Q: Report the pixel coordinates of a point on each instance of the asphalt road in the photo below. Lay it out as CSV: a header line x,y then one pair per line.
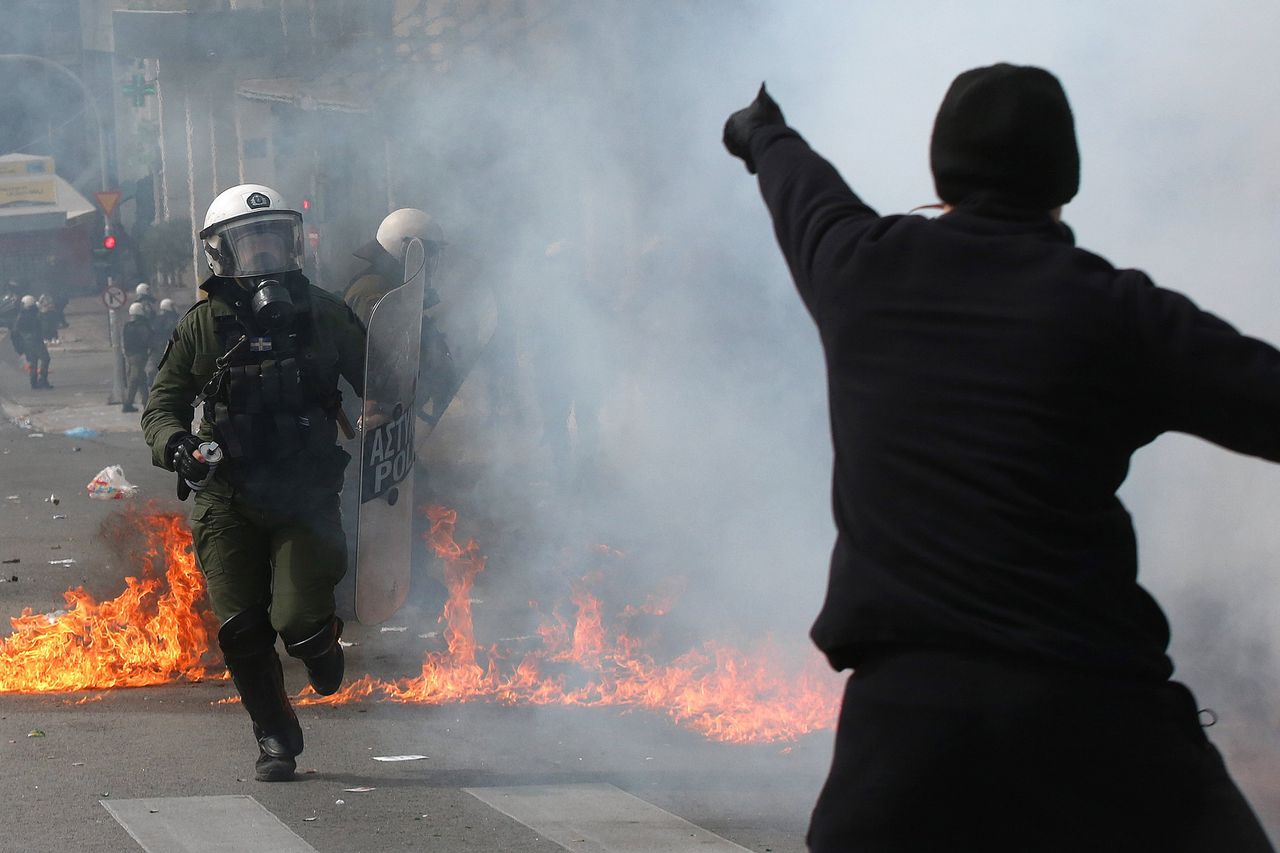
x,y
176,741
136,745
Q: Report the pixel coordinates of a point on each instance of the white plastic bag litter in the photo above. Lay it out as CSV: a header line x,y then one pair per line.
x,y
110,484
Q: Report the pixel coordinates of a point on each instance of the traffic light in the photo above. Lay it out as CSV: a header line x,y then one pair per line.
x,y
313,208
104,256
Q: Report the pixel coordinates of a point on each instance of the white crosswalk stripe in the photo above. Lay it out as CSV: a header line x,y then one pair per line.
x,y
601,819
229,824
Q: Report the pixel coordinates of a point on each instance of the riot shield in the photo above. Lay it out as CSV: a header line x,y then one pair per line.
x,y
460,326
384,528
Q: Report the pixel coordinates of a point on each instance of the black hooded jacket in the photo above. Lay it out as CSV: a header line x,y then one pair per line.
x,y
988,383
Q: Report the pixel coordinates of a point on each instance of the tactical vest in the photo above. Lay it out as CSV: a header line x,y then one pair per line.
x,y
277,395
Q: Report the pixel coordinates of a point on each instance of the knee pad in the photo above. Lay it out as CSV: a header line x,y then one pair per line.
x,y
247,634
318,642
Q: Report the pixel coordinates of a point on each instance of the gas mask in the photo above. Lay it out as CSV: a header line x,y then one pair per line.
x,y
272,304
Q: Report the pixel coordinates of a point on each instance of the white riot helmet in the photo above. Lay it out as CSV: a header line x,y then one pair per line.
x,y
166,304
249,231
143,289
28,301
400,226
137,309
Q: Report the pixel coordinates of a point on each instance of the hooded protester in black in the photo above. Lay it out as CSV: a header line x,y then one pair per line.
x,y
988,382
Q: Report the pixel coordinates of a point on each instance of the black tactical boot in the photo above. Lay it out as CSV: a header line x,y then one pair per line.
x,y
248,646
322,654
276,761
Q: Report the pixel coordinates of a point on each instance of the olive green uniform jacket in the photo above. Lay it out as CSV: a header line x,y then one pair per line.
x,y
337,347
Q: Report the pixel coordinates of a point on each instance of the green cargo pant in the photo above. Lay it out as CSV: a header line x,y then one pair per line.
x,y
287,562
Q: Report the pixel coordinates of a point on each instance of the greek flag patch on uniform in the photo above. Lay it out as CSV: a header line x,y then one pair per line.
x,y
259,344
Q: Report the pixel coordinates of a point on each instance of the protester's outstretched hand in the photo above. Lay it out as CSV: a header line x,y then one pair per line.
x,y
761,112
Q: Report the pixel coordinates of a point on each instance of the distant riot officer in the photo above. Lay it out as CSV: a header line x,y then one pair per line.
x,y
138,335
142,296
162,326
263,353
28,339
384,271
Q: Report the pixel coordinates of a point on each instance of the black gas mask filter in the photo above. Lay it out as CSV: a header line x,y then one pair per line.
x,y
272,305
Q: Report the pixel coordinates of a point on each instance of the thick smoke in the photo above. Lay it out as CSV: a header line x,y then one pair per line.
x,y
638,275
712,418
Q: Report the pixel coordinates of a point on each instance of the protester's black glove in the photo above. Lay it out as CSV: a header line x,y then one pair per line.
x,y
180,452
762,112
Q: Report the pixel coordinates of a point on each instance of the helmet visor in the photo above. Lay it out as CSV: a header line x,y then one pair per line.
x,y
262,245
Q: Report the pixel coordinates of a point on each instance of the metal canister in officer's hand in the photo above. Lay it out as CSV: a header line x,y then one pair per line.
x,y
211,454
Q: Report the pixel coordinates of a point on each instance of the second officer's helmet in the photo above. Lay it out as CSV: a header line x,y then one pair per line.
x,y
249,231
137,309
166,304
143,289
401,226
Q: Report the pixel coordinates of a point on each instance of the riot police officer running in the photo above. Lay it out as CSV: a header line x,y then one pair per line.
x,y
262,356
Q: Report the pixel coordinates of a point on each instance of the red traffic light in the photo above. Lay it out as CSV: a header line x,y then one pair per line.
x,y
306,204
109,241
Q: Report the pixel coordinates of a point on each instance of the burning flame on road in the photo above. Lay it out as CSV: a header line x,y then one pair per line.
x,y
152,633
151,636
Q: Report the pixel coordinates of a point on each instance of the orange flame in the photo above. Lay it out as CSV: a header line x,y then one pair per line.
x,y
152,633
721,692
150,636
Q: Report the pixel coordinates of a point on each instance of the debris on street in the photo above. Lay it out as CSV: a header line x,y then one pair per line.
x,y
110,484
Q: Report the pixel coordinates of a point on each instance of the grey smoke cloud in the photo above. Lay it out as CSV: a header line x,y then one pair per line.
x,y
713,424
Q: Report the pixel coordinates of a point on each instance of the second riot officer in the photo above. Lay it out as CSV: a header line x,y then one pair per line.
x,y
383,272
262,356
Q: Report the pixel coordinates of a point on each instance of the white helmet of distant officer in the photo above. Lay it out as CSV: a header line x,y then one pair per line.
x,y
253,237
166,304
401,226
137,309
143,289
28,301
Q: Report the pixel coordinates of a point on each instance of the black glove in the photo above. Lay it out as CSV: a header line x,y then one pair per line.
x,y
179,451
762,112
